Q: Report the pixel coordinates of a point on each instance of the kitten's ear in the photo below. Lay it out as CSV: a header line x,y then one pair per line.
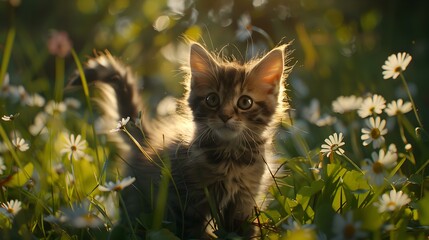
x,y
202,64
267,73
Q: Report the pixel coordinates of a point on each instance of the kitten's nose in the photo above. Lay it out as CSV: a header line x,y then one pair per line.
x,y
225,117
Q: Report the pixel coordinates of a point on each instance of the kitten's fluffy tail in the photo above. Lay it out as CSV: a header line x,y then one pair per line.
x,y
105,72
116,94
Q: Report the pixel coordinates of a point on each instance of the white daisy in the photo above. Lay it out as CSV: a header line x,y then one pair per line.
x,y
345,104
376,169
395,64
35,100
74,147
398,107
372,105
53,107
121,125
7,118
39,125
390,202
325,120
333,144
2,166
86,220
345,228
11,117
374,133
118,186
245,27
80,217
11,208
298,231
72,103
20,144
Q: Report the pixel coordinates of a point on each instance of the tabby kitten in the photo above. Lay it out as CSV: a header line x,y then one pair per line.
x,y
217,147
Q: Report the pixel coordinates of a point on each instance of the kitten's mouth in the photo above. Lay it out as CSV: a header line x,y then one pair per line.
x,y
227,131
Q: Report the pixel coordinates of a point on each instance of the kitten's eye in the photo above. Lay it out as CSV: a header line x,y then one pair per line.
x,y
245,102
212,100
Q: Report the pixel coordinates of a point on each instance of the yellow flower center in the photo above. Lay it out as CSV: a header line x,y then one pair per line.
x,y
88,218
391,205
377,167
375,133
349,231
9,210
398,69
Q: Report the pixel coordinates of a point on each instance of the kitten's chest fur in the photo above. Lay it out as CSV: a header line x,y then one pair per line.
x,y
226,171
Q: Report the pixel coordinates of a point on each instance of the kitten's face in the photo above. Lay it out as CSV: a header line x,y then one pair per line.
x,y
231,100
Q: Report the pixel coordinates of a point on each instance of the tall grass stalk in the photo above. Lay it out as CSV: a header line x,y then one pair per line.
x,y
161,199
88,102
59,78
353,163
7,53
124,206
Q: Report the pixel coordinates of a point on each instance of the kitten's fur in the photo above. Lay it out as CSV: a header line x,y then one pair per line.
x,y
218,145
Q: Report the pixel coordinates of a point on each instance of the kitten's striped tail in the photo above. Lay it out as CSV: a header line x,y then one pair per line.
x,y
116,96
122,99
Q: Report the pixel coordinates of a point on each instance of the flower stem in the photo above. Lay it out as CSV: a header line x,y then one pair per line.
x,y
401,129
74,177
354,139
352,163
142,150
411,99
264,34
59,78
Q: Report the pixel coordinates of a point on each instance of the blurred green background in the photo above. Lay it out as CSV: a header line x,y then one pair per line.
x,y
338,46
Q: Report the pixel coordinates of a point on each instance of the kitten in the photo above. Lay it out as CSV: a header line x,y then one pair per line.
x,y
217,147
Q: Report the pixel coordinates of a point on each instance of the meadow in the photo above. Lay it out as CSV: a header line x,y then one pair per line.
x,y
354,151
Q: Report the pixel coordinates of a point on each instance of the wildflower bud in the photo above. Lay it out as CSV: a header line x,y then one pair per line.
x,y
408,147
418,131
15,3
59,44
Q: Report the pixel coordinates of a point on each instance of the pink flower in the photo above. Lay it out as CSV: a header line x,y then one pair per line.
x,y
59,44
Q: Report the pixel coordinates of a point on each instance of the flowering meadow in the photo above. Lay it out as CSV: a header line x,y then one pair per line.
x,y
353,150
